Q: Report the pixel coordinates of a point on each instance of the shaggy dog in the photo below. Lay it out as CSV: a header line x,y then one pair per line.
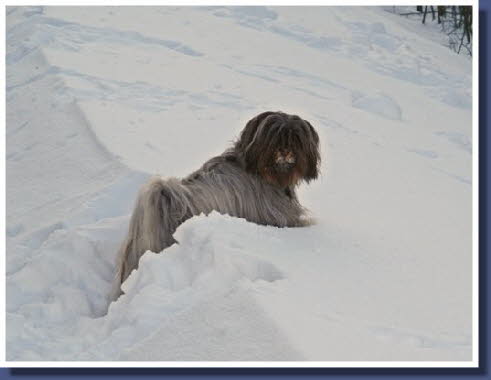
x,y
255,180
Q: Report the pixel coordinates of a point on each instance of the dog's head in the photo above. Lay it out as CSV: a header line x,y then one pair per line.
x,y
283,149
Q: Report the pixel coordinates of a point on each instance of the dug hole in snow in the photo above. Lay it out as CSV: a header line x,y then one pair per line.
x,y
97,101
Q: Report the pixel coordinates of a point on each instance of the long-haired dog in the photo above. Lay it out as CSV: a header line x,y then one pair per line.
x,y
255,179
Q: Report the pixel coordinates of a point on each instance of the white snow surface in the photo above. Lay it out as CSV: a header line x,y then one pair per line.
x,y
99,98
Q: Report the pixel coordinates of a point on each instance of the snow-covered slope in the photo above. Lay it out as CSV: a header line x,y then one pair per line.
x,y
99,98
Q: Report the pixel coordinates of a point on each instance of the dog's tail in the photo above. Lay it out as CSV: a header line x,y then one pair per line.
x,y
162,204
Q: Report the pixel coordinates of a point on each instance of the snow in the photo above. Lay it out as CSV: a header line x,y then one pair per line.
x,y
100,98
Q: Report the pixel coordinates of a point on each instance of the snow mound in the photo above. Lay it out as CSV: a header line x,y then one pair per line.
x,y
213,265
229,290
211,253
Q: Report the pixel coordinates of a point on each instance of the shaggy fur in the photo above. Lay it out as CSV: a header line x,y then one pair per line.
x,y
255,180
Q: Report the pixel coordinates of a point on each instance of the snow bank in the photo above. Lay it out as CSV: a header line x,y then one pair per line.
x,y
200,290
230,290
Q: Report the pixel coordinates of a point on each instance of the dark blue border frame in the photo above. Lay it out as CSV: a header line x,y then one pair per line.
x,y
348,373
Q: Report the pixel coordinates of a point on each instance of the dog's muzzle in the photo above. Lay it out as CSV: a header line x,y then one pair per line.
x,y
284,161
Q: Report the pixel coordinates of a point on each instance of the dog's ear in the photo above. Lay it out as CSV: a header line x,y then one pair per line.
x,y
314,133
245,143
313,155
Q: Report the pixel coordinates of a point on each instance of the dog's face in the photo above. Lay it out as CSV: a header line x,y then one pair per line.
x,y
283,149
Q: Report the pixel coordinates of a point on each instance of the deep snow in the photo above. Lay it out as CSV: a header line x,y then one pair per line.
x,y
99,98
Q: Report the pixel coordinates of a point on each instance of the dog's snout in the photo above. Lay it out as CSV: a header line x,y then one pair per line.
x,y
284,164
285,157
